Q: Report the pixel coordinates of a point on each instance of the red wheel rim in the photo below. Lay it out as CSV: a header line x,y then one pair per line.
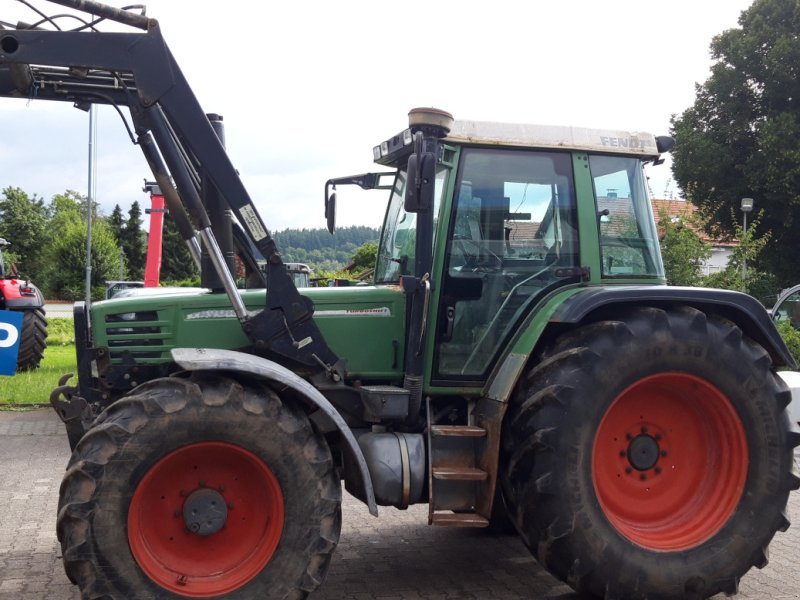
x,y
669,462
205,565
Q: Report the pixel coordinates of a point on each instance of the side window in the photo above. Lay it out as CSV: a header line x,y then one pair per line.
x,y
513,227
396,251
397,248
628,238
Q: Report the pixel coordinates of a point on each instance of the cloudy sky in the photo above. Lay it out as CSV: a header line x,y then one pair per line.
x,y
308,88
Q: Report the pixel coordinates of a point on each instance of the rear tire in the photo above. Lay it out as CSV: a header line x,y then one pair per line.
x,y
255,467
650,456
32,339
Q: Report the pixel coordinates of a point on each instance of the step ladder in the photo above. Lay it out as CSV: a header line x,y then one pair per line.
x,y
461,473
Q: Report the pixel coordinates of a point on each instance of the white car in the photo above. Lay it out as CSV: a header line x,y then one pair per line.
x,y
792,379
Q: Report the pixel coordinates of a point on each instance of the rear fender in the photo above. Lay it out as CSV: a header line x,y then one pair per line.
x,y
207,359
743,310
588,304
19,294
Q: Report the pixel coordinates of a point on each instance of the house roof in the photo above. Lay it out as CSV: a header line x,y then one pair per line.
x,y
677,209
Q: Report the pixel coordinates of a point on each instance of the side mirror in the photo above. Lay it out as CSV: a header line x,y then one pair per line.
x,y
330,212
421,182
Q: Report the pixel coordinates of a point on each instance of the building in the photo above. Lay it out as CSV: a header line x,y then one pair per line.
x,y
677,210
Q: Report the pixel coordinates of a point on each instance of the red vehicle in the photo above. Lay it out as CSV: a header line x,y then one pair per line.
x,y
18,293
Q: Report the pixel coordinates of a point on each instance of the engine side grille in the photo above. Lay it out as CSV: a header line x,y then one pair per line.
x,y
138,335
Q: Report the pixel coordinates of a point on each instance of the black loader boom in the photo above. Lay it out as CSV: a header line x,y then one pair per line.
x,y
136,70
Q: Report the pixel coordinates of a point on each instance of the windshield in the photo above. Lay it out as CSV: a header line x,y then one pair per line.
x,y
628,238
396,252
788,309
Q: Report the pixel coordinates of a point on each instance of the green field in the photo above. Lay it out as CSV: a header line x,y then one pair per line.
x,y
33,387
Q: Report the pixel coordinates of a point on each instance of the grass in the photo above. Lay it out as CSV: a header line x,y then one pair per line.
x,y
28,389
60,331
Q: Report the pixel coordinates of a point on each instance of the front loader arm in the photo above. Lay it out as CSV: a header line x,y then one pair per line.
x,y
137,70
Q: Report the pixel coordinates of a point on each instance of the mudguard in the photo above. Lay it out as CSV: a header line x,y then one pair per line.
x,y
207,359
747,312
15,299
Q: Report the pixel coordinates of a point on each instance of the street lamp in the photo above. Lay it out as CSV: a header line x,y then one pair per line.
x,y
747,206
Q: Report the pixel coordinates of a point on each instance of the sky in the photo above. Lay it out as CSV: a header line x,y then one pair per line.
x,y
307,89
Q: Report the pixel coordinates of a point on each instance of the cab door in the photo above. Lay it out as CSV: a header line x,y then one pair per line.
x,y
511,238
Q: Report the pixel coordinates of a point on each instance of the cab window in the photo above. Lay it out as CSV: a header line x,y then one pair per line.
x,y
512,233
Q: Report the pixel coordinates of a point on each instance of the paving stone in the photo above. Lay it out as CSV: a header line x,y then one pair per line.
x,y
394,557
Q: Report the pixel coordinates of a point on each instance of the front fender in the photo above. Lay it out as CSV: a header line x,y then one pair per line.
x,y
207,359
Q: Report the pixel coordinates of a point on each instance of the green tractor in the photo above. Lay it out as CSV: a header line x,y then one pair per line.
x,y
518,357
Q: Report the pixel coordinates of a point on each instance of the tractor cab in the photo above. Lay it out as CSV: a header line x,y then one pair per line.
x,y
501,216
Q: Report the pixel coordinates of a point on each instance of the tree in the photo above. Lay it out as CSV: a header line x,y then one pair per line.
x,y
176,262
23,223
66,209
682,249
133,242
116,222
739,139
66,261
746,254
365,256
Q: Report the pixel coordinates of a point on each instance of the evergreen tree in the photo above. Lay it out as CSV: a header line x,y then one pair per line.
x,y
133,242
321,250
176,261
116,223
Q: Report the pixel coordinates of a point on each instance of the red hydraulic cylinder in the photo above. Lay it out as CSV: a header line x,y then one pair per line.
x,y
152,270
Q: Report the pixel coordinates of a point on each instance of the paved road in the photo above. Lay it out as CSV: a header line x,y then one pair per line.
x,y
63,310
396,557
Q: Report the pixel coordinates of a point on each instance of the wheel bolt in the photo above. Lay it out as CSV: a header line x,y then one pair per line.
x,y
644,429
221,487
643,476
663,453
658,437
628,470
622,453
628,436
657,470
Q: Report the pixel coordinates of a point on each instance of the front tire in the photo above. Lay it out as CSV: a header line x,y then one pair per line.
x,y
650,456
199,487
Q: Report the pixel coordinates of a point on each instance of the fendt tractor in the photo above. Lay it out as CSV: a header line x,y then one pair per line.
x,y
517,357
18,293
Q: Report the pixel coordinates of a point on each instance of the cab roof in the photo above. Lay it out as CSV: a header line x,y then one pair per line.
x,y
551,136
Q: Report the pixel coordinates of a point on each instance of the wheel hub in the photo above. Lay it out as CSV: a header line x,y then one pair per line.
x,y
205,512
643,452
